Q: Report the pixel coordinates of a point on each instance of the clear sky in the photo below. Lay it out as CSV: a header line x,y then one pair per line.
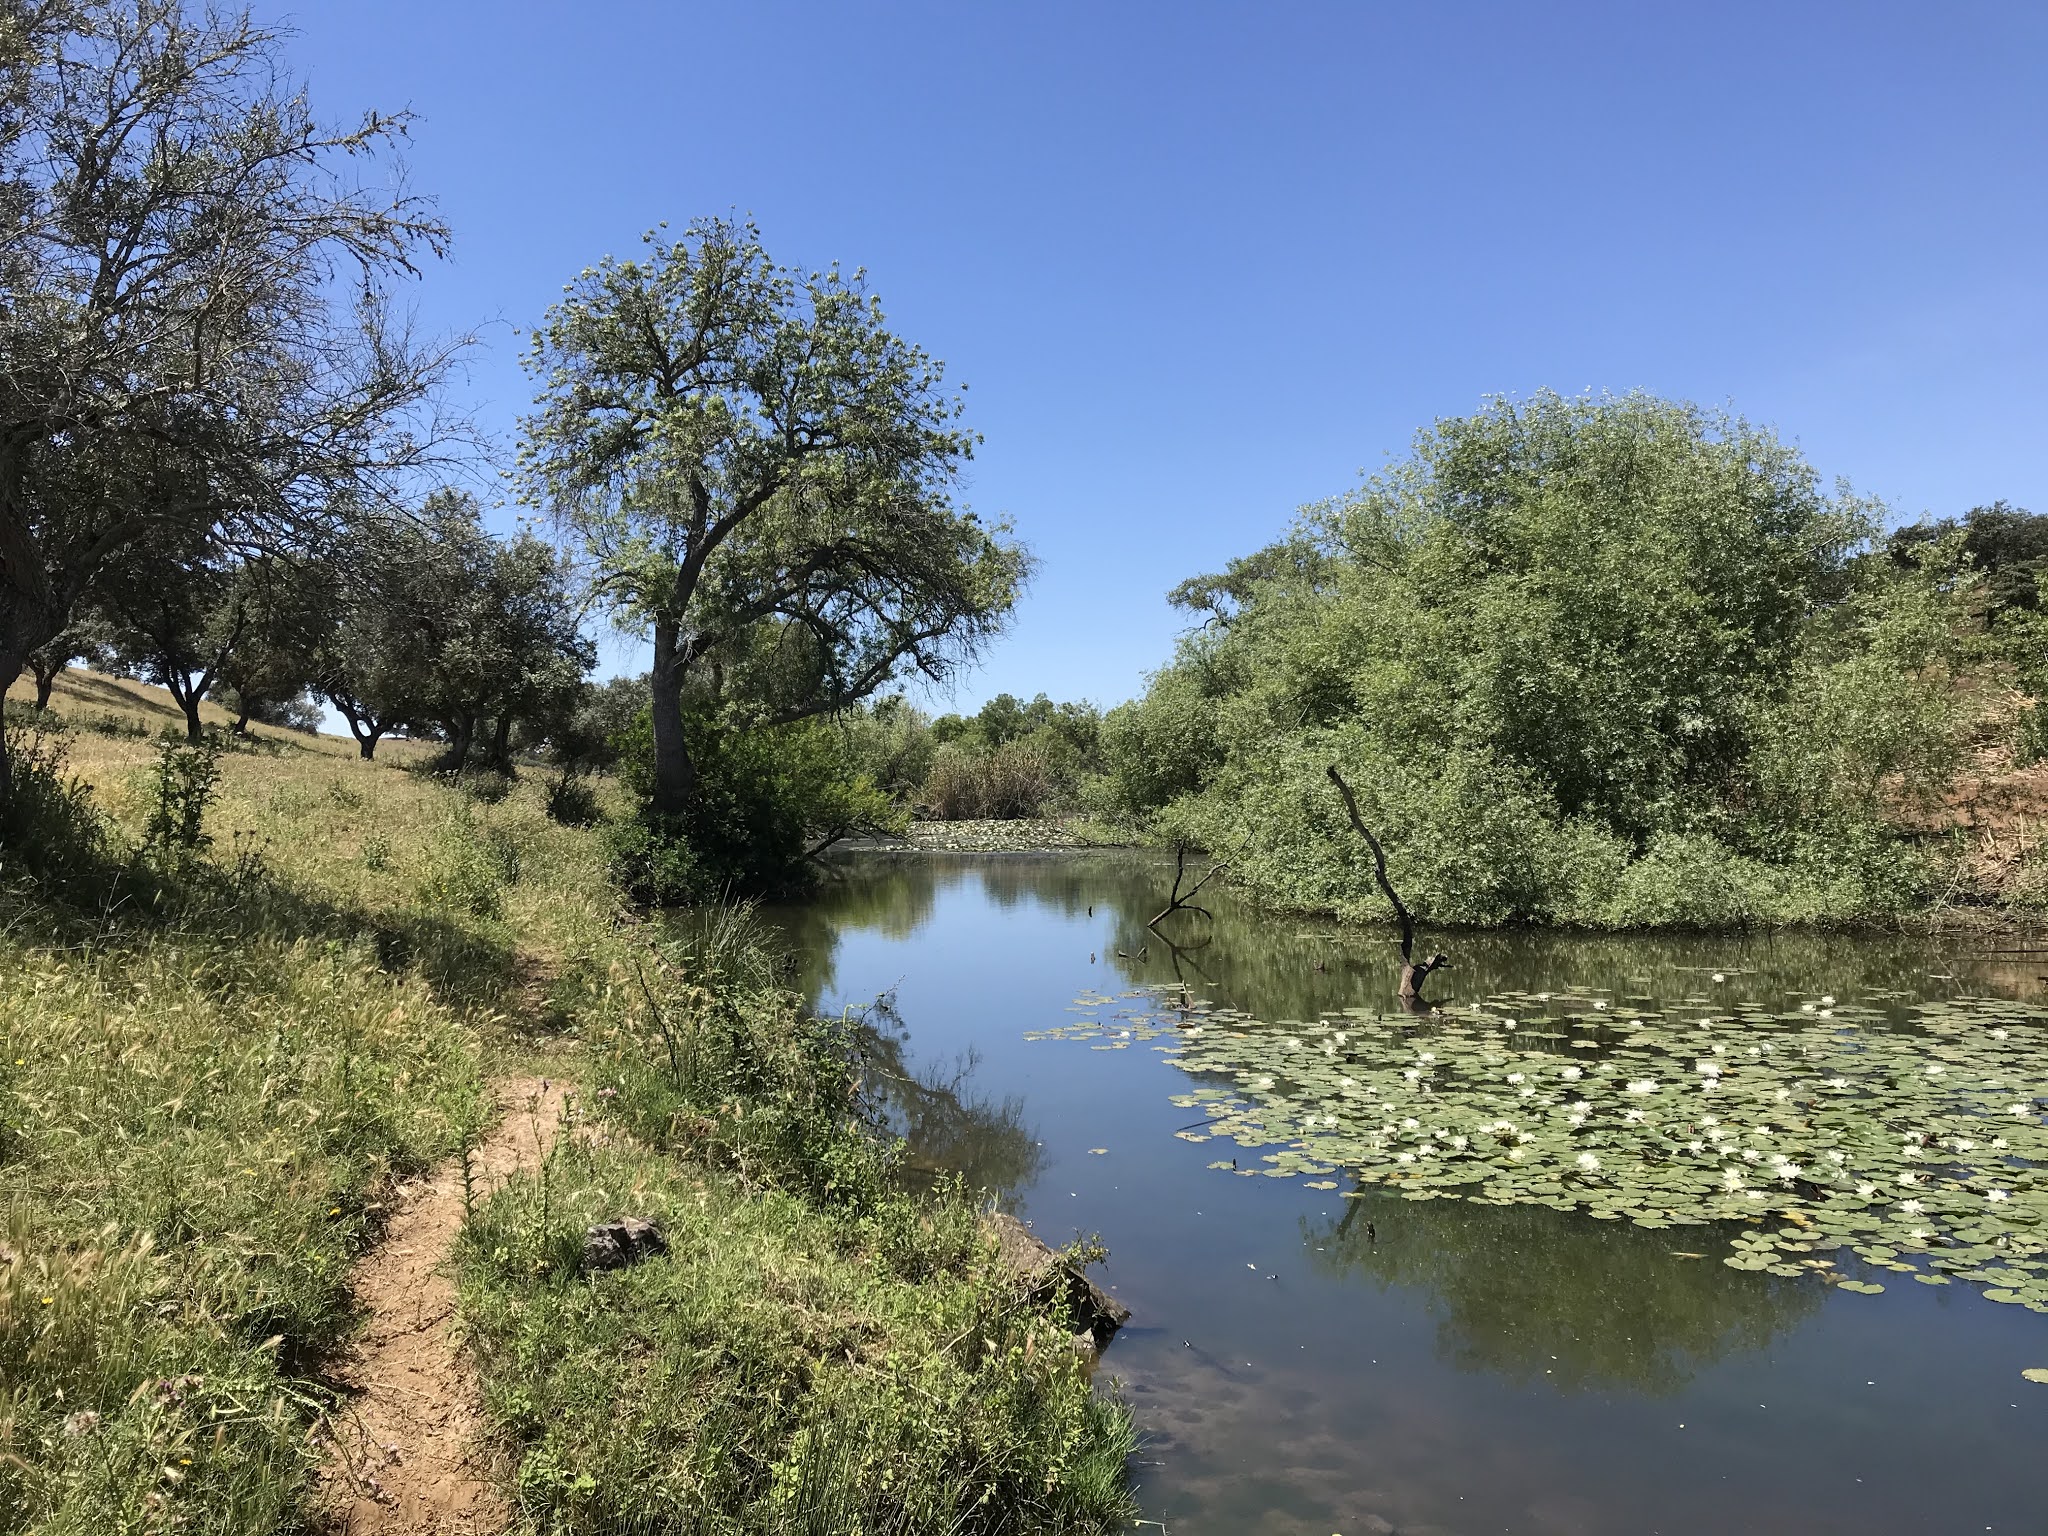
x,y
1202,263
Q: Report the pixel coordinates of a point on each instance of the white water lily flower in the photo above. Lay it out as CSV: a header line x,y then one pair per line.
x,y
1329,1119
1909,1178
1789,1171
1407,1157
1911,1207
2018,1111
1514,1077
1708,1068
1524,1138
1262,1082
1838,1082
1719,977
1998,1143
1919,1234
1411,1124
1936,1070
1633,1115
1838,1157
1516,1153
1572,1074
1753,1194
1347,1082
1731,1178
1827,1002
1963,1144
1827,1013
1996,1195
1806,1007
1589,1162
1709,1120
1576,1121
2001,1034
1751,1155
1784,1094
1528,1093
1342,1037
1866,1190
1600,1004
1457,1141
1426,1056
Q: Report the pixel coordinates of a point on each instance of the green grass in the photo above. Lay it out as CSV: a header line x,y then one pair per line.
x,y
214,1066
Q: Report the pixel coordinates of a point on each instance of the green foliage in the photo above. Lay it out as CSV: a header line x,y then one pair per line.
x,y
209,1118
184,782
818,1350
1605,661
1011,760
469,864
767,800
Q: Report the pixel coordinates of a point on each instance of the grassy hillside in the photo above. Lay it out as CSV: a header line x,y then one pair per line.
x,y
215,1067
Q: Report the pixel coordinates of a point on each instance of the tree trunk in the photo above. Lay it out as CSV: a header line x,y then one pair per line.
x,y
501,745
461,733
242,719
195,728
675,776
366,744
45,682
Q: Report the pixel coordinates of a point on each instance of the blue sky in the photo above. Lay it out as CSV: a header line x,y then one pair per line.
x,y
1199,264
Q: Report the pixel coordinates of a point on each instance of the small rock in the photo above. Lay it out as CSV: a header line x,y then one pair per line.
x,y
625,1240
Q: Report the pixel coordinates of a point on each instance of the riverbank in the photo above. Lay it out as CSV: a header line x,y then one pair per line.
x,y
226,1072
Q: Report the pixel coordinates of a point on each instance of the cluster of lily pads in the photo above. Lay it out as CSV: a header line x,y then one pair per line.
x,y
1912,1135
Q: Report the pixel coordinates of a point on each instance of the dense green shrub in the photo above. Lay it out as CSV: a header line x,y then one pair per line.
x,y
768,800
1607,661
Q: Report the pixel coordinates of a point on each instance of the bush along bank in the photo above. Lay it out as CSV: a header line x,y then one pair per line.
x,y
815,1349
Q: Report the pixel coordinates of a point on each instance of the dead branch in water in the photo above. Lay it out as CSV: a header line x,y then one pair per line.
x,y
1413,973
1175,902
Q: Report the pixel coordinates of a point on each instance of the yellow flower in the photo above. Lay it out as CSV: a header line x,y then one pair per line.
x,y
48,1300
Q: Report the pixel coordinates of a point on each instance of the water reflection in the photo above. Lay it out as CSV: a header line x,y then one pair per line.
x,y
1294,1372
947,1125
1569,1302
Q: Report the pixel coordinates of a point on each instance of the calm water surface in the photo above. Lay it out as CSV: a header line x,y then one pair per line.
x,y
1463,1368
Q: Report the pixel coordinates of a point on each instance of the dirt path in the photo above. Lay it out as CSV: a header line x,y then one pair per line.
x,y
406,1460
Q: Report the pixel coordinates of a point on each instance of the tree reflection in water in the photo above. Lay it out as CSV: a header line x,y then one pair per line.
x,y
946,1127
1540,1296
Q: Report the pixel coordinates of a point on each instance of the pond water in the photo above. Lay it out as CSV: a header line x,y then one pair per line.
x,y
1615,1346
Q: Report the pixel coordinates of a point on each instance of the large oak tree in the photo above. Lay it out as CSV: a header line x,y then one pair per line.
x,y
750,459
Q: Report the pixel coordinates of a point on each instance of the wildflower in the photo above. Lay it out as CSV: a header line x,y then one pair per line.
x,y
1589,1162
78,1423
